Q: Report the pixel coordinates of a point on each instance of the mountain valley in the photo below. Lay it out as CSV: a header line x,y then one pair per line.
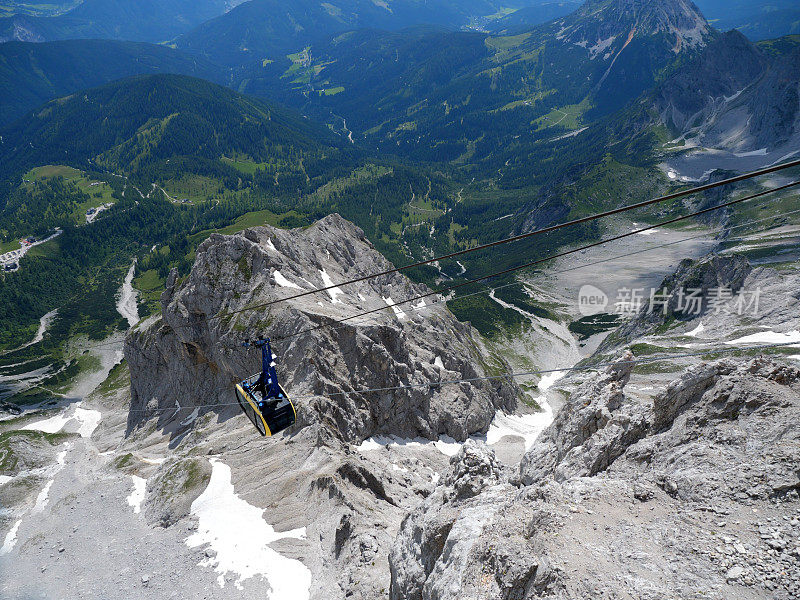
x,y
529,272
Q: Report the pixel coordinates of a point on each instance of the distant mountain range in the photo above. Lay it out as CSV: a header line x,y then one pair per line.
x,y
31,73
458,96
757,19
136,20
261,30
145,120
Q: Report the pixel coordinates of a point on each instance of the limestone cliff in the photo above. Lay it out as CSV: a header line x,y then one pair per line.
x,y
190,356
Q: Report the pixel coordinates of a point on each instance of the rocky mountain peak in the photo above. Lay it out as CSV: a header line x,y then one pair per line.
x,y
190,356
603,26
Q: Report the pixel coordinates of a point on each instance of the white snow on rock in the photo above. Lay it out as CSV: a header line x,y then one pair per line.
x,y
240,538
11,539
527,427
759,152
438,363
137,495
696,331
548,380
647,232
445,444
271,246
397,310
334,292
126,303
283,282
43,498
76,420
768,337
5,479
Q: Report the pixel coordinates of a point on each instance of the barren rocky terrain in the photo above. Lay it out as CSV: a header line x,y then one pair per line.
x,y
673,477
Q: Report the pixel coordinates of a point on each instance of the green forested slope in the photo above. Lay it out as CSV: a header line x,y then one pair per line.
x,y
33,73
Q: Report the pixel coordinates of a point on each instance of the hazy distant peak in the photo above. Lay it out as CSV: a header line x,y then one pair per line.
x,y
598,24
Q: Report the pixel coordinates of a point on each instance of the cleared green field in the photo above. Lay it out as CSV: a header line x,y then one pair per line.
x,y
99,192
568,117
244,165
150,286
9,246
247,220
193,188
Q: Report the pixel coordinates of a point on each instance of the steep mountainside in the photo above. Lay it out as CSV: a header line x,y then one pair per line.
x,y
148,119
757,19
548,81
136,20
191,354
268,29
736,105
33,73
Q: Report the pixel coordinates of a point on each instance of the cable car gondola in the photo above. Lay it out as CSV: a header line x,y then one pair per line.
x,y
263,399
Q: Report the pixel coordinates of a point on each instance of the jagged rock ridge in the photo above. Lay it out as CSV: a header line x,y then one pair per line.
x,y
625,499
190,357
605,27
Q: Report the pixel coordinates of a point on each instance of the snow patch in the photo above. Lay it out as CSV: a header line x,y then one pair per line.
x,y
548,380
696,331
81,421
760,152
5,479
647,232
240,538
768,337
334,292
137,495
11,539
397,310
271,246
445,444
283,282
41,499
438,363
527,427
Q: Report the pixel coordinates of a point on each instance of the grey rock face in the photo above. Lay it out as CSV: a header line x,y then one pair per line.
x,y
438,550
191,356
172,490
712,272
594,428
736,422
726,66
621,499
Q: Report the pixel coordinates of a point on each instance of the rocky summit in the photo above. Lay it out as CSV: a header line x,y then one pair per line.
x,y
618,499
190,357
